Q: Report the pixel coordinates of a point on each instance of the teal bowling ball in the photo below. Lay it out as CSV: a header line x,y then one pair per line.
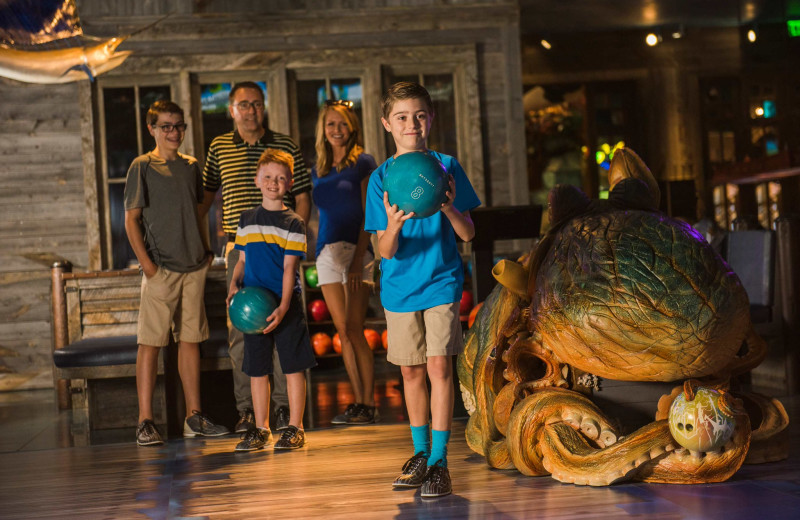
x,y
249,309
311,277
416,181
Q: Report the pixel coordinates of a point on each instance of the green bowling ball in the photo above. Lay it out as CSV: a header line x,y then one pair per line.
x,y
311,277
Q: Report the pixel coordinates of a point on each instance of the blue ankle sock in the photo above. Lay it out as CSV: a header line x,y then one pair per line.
x,y
439,440
420,436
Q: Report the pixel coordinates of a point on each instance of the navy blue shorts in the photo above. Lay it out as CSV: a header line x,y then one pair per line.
x,y
290,338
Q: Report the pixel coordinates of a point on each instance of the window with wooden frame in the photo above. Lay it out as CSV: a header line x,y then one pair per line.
x,y
123,135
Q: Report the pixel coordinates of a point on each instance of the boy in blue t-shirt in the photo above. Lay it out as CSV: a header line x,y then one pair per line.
x,y
271,239
421,282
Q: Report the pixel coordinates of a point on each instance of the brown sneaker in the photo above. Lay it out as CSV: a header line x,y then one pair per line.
x,y
147,434
247,420
437,481
292,438
413,473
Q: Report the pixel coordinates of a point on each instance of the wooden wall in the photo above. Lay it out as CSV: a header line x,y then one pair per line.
x,y
42,219
48,200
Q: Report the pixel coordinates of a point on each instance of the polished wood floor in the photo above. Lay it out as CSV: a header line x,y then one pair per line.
x,y
343,472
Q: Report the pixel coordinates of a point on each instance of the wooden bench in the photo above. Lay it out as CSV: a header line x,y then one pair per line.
x,y
94,319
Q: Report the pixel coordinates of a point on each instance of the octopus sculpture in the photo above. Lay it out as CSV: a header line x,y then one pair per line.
x,y
617,290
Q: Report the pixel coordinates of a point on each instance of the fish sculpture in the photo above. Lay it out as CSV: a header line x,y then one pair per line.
x,y
61,65
41,41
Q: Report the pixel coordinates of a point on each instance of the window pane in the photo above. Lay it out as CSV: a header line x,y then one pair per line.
x,y
391,79
311,95
215,121
214,108
120,248
350,90
443,132
120,118
148,96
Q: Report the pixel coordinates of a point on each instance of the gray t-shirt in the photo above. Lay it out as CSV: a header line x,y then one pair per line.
x,y
168,193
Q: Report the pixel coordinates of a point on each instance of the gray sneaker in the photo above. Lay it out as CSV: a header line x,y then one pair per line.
x,y
364,415
147,434
254,439
344,418
198,425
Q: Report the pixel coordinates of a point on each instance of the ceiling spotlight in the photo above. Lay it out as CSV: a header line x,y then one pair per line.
x,y
546,44
677,32
652,39
752,33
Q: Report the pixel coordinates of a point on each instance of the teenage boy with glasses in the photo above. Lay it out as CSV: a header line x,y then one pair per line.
x,y
162,192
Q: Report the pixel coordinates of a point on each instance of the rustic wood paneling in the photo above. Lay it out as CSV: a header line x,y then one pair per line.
x,y
42,187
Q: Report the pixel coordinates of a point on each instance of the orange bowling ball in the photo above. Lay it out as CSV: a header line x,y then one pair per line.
x,y
373,338
473,313
385,339
337,343
322,343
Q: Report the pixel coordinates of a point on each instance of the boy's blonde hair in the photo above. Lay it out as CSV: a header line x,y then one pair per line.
x,y
404,90
271,155
355,144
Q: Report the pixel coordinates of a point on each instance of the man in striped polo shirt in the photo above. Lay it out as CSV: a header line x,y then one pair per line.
x,y
232,163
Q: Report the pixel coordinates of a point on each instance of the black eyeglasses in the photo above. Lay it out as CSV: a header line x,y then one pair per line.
x,y
338,102
168,128
245,106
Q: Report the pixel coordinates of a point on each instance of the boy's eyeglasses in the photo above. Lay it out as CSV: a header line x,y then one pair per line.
x,y
245,106
338,102
168,128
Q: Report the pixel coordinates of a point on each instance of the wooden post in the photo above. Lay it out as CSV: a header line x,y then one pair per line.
x,y
60,333
788,231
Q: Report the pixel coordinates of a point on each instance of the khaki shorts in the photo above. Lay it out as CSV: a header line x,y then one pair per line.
x,y
172,300
416,336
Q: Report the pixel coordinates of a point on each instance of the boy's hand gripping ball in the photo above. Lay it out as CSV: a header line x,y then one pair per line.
x,y
249,309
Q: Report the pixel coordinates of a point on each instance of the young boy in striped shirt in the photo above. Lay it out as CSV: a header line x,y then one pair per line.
x,y
271,240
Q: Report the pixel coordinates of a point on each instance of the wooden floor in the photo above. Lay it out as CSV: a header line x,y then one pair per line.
x,y
342,473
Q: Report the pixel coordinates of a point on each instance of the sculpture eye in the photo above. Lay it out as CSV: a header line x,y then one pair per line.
x,y
689,427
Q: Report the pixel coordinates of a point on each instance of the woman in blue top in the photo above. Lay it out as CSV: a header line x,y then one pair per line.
x,y
344,254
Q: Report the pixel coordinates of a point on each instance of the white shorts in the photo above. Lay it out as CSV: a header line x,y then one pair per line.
x,y
333,263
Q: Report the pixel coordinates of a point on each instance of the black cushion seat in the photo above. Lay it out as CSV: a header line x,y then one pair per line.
x,y
122,350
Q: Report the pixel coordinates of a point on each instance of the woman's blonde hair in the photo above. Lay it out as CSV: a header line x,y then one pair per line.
x,y
355,145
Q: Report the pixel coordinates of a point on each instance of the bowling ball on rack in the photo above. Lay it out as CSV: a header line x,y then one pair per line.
x,y
322,343
373,338
385,339
337,343
473,314
312,279
318,310
250,307
416,181
467,302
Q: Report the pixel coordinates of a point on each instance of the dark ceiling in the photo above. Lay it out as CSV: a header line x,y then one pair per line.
x,y
559,16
